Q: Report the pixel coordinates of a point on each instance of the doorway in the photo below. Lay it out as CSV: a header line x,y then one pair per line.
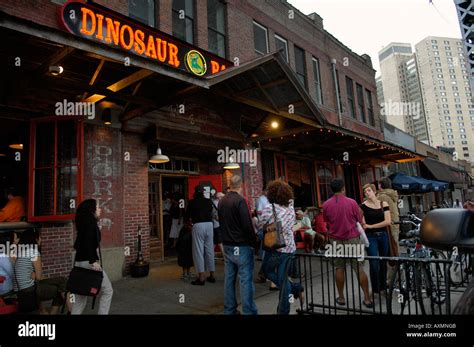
x,y
163,190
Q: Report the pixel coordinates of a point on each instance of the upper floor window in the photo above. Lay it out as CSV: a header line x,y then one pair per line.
x,y
143,11
183,20
370,108
300,63
317,81
360,102
350,96
282,44
216,27
260,34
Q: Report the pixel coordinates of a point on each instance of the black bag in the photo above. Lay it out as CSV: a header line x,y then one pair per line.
x,y
273,234
84,281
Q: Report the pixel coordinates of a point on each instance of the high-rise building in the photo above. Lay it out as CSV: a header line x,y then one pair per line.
x,y
447,96
465,9
400,88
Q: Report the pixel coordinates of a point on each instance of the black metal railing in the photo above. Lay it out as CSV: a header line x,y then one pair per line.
x,y
414,286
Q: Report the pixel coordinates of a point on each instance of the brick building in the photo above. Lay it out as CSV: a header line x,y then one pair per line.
x,y
268,79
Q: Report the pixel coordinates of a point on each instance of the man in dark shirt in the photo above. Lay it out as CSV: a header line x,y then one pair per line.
x,y
238,237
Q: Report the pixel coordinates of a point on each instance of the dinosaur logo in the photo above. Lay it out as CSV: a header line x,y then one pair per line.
x,y
196,63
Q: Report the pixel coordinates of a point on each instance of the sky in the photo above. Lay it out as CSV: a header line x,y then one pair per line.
x,y
366,26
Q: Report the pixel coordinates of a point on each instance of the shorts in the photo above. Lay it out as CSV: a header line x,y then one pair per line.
x,y
350,248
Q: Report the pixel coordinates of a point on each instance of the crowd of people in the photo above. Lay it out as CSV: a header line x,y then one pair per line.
x,y
226,223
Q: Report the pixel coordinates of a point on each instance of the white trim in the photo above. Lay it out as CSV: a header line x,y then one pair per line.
x,y
278,37
266,37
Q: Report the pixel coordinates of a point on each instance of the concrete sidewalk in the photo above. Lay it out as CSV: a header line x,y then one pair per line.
x,y
163,292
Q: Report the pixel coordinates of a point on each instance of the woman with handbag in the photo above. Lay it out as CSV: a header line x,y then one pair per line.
x,y
279,217
87,244
376,220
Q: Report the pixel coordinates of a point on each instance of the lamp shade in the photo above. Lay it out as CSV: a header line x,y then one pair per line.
x,y
159,158
231,166
107,116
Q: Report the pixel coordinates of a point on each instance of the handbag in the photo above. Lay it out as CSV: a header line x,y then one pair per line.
x,y
273,234
84,281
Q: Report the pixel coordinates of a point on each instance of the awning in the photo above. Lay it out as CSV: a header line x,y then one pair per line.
x,y
268,83
415,184
442,171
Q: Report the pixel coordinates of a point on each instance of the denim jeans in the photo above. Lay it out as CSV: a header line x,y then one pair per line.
x,y
378,268
239,261
276,266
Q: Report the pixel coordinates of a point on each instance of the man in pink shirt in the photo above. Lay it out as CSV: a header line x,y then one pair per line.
x,y
342,214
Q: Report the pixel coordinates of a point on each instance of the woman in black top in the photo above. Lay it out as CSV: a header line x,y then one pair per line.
x,y
200,214
376,219
87,256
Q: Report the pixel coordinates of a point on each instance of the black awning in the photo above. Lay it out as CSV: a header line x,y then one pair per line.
x,y
442,171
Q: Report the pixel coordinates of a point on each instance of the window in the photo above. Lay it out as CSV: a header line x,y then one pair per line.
x,y
55,172
448,124
350,97
439,70
437,59
324,176
451,143
446,111
317,81
462,130
457,106
436,53
463,136
444,99
450,137
464,142
449,130
445,106
183,20
449,54
338,87
260,34
459,112
447,48
456,94
461,124
216,27
434,41
443,93
438,65
370,109
465,148
447,118
300,63
360,102
460,118
143,11
446,42
282,44
453,77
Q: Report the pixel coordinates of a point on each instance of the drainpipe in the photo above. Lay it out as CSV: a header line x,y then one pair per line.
x,y
336,84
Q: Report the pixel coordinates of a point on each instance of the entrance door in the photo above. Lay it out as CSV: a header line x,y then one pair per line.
x,y
174,192
351,177
154,208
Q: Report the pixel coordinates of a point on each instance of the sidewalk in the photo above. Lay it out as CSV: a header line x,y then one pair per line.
x,y
163,292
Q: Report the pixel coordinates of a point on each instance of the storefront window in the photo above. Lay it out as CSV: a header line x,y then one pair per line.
x,y
55,172
325,174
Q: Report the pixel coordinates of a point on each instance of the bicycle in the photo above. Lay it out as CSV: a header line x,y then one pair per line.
x,y
417,281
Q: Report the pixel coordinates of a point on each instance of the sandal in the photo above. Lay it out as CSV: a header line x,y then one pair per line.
x,y
370,304
340,302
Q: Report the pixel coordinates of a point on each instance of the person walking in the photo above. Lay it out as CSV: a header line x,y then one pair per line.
x,y
86,245
238,238
342,215
277,262
200,214
376,219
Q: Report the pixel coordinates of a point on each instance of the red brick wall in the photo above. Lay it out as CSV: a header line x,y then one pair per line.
x,y
56,249
103,179
135,196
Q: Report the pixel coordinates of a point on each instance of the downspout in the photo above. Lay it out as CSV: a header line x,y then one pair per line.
x,y
338,97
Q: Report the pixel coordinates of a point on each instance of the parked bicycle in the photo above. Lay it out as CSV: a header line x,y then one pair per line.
x,y
417,286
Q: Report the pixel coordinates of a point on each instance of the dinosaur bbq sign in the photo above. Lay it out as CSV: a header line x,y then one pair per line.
x,y
102,25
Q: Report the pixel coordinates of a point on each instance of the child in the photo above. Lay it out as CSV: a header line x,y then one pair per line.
x,y
184,248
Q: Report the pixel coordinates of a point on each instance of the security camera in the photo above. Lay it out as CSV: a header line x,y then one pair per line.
x,y
55,70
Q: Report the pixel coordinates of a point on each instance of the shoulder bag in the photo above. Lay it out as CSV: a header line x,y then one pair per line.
x,y
273,234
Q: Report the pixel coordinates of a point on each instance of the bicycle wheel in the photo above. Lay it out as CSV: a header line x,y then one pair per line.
x,y
397,295
459,269
424,287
